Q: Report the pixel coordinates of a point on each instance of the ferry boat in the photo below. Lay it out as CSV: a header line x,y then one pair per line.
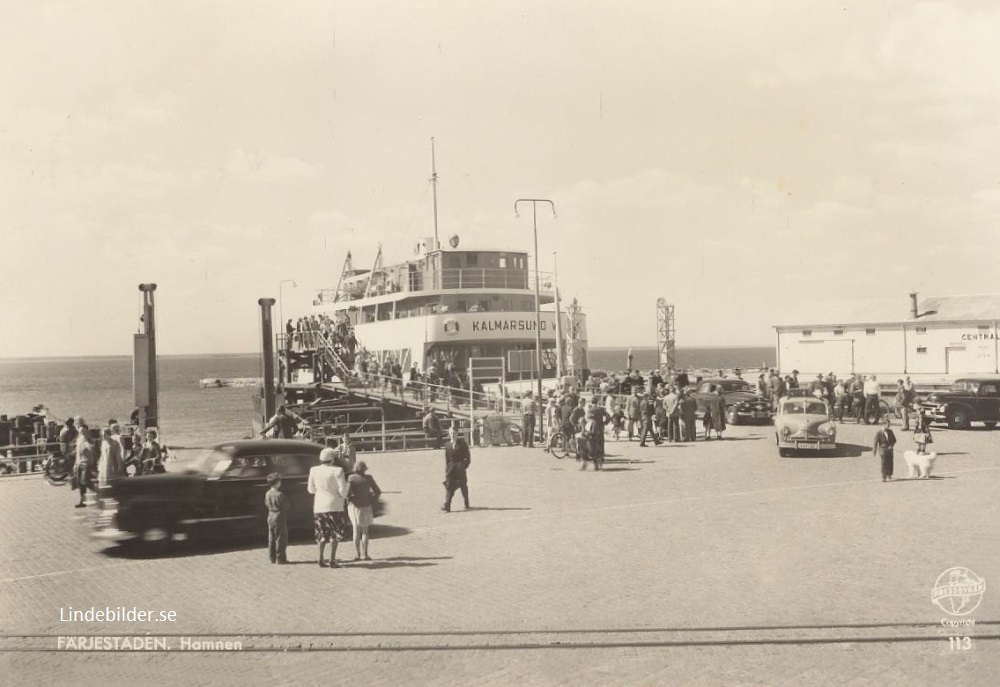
x,y
448,306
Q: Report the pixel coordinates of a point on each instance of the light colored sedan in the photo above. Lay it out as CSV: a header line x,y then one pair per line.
x,y
804,424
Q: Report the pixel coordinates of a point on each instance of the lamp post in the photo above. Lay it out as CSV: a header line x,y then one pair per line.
x,y
538,299
281,313
560,365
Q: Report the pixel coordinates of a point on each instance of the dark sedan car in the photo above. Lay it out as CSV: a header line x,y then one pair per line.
x,y
742,404
219,497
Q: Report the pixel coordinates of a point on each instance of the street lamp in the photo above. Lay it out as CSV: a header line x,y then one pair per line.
x,y
538,299
281,314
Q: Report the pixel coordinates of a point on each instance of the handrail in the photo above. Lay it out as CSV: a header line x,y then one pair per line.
x,y
441,279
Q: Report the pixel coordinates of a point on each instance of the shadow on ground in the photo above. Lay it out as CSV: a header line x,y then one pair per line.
x,y
397,562
208,547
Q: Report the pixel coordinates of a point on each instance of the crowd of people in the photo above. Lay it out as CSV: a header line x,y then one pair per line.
x,y
96,455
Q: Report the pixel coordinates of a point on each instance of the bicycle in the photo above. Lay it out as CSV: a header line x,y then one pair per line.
x,y
561,445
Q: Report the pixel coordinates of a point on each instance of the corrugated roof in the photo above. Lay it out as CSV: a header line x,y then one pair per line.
x,y
974,308
947,308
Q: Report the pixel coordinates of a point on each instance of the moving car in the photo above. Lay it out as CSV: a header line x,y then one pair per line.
x,y
803,423
970,399
220,496
743,405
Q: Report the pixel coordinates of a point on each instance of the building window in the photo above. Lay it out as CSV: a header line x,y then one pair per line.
x,y
870,332
838,332
984,327
921,350
807,332
921,330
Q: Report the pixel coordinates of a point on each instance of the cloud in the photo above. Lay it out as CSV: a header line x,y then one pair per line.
x,y
260,167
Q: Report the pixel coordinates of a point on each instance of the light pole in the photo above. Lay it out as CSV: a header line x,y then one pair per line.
x,y
560,365
538,299
281,314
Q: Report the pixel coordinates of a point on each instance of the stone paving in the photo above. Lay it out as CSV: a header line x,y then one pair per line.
x,y
696,564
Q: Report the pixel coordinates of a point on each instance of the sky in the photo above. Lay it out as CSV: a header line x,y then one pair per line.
x,y
734,158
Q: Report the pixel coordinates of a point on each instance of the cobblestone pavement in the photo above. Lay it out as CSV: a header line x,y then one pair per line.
x,y
692,564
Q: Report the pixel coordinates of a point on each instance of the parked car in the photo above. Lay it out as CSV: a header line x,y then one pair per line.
x,y
742,403
970,399
804,423
220,496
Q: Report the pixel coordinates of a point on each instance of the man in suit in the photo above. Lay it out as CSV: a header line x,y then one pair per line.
x,y
882,447
456,461
112,461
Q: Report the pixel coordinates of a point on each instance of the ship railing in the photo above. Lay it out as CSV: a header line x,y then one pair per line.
x,y
444,279
424,394
370,430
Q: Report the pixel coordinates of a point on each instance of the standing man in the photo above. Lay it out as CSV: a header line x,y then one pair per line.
x,y
329,488
902,404
528,421
67,441
112,463
858,397
885,440
689,410
839,394
633,410
457,459
672,411
86,459
648,411
871,400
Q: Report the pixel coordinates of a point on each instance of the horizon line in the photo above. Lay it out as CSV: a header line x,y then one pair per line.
x,y
86,356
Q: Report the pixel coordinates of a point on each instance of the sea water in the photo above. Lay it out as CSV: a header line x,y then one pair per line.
x,y
100,388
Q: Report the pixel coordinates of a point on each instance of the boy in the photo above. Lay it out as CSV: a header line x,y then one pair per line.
x,y
277,519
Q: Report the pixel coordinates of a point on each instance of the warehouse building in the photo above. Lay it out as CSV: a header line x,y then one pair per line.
x,y
933,338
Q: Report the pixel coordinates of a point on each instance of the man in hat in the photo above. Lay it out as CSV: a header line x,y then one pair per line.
x,y
457,459
648,412
329,488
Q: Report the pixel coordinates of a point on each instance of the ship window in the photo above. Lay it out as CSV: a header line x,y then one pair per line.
x,y
838,332
452,260
870,331
922,350
503,263
472,260
921,330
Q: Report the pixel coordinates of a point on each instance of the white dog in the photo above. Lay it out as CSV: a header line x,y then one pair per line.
x,y
920,464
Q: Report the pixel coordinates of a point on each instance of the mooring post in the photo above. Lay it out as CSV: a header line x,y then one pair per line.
x,y
267,339
144,381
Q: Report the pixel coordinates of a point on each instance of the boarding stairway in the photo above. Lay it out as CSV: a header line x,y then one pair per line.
x,y
362,403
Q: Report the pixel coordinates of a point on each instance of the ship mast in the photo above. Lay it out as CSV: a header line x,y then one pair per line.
x,y
434,189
